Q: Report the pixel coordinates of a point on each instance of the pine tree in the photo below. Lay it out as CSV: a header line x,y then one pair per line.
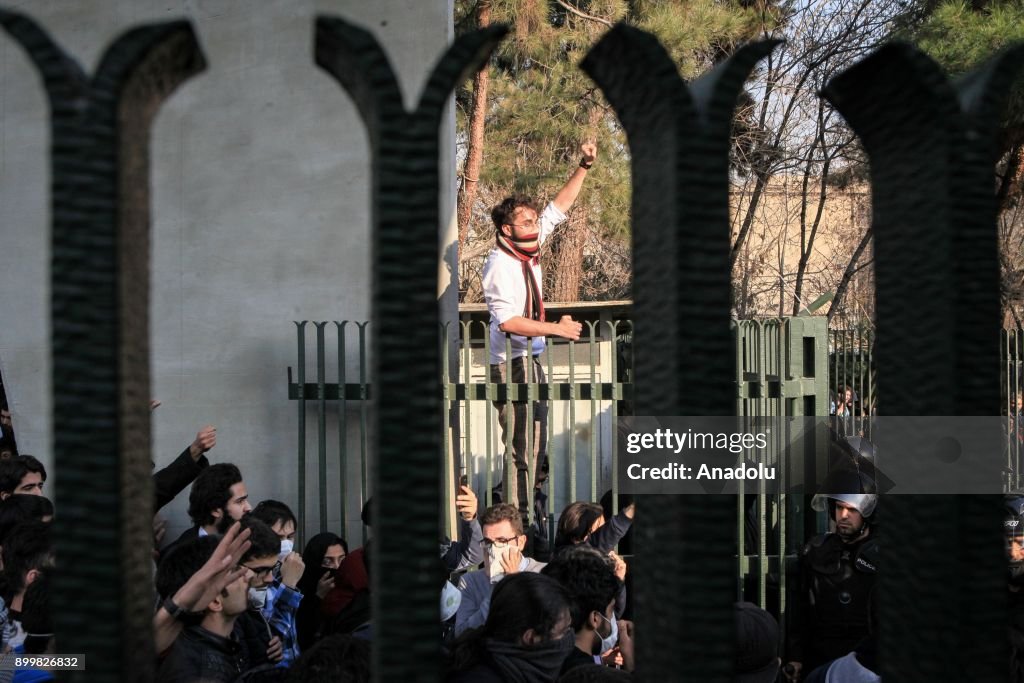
x,y
541,106
961,36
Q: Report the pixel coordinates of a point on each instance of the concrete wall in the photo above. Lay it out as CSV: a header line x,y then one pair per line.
x,y
260,217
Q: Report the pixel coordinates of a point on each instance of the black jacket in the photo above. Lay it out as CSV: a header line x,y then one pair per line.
x,y
253,633
172,480
200,655
190,533
835,609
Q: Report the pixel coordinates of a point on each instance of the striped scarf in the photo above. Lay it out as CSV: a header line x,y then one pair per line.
x,y
526,250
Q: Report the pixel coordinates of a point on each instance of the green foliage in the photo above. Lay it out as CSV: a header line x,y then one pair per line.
x,y
541,106
699,33
961,38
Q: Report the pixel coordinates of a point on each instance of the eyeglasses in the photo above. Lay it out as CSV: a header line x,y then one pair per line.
x,y
498,542
260,571
527,224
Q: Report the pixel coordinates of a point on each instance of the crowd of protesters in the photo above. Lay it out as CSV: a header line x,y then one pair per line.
x,y
271,614
235,600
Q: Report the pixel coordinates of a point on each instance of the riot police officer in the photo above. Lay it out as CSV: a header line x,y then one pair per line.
x,y
834,610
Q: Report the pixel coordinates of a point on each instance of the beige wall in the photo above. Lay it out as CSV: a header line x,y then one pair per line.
x,y
260,176
766,269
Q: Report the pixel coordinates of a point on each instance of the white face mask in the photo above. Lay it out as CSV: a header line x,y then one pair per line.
x,y
613,637
286,549
451,598
494,569
257,598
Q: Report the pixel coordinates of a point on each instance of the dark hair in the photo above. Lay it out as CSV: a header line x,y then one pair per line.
x,y
184,560
519,602
27,547
36,617
13,470
525,600
20,507
502,213
575,521
263,539
590,579
211,491
336,658
313,557
270,512
503,512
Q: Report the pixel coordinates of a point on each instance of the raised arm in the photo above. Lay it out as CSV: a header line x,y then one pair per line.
x,y
218,572
565,198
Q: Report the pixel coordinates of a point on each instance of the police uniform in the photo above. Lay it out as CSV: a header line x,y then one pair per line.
x,y
836,601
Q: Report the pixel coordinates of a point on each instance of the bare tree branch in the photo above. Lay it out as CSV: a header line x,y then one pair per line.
x,y
851,270
584,15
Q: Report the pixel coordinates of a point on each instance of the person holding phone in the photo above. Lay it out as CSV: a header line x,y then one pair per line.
x,y
322,557
466,551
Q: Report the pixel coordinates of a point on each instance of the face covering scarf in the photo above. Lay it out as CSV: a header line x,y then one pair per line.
x,y
495,571
525,251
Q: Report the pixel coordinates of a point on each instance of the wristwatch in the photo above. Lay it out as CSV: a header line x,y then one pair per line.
x,y
176,611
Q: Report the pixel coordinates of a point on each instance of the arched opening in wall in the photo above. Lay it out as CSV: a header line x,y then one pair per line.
x,y
800,203
801,247
520,126
800,199
1011,267
261,218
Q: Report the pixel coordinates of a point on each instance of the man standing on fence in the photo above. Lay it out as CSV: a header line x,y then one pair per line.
x,y
512,282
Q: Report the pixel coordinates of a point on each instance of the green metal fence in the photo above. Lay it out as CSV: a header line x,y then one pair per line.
x,y
782,370
349,394
852,367
1012,399
853,398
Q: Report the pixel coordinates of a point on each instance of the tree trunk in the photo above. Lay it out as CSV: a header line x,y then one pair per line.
x,y
1010,180
475,149
563,269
